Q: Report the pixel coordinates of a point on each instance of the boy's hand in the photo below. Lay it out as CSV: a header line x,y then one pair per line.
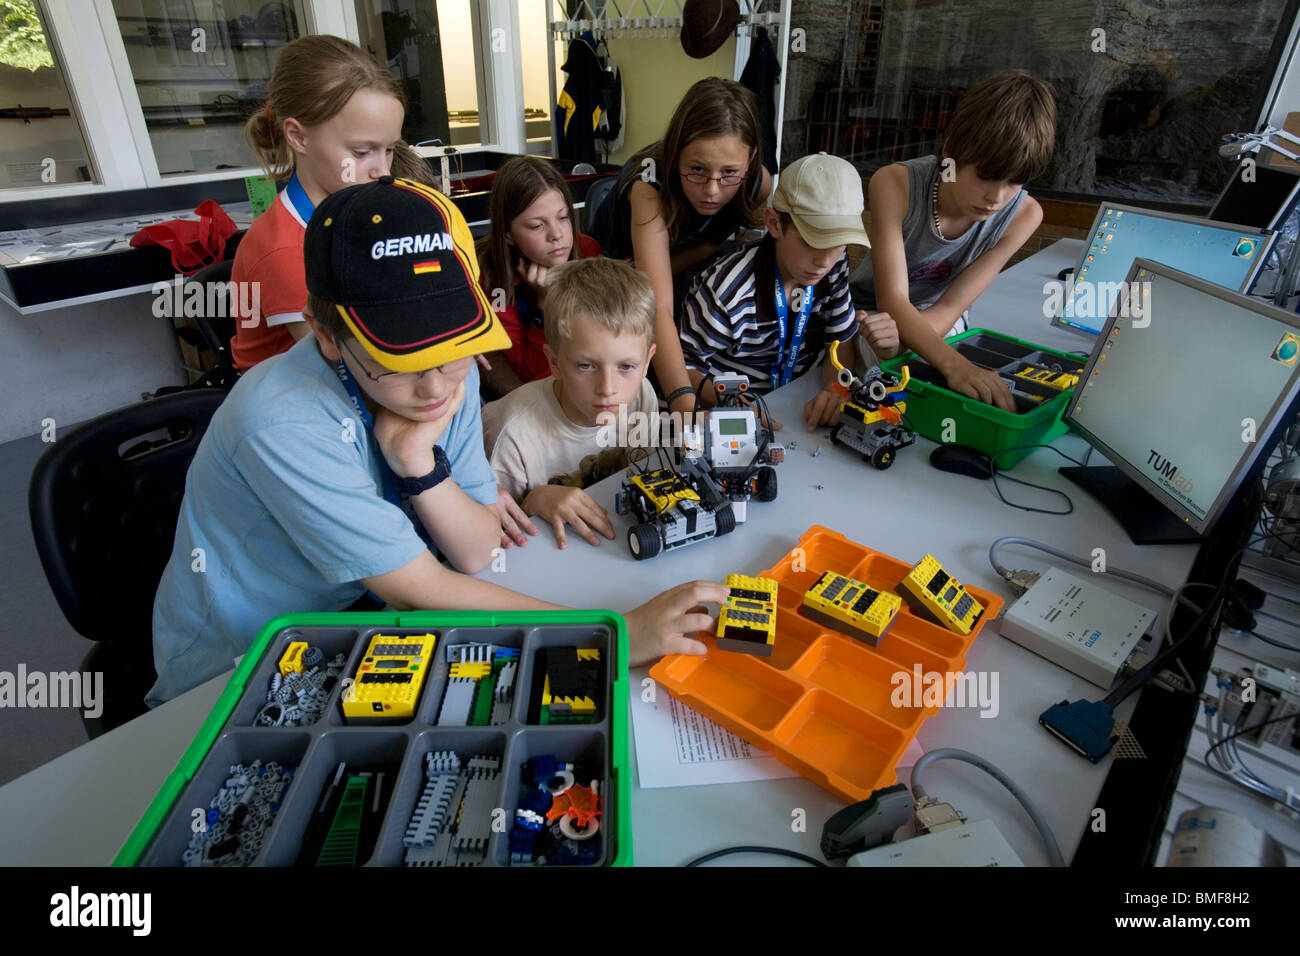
x,y
560,506
514,522
407,445
969,379
537,277
824,409
881,332
663,624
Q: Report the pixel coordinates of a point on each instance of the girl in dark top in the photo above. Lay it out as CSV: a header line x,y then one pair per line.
x,y
679,200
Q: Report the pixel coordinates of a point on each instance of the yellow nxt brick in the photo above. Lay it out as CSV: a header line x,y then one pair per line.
x,y
747,622
935,595
851,607
390,676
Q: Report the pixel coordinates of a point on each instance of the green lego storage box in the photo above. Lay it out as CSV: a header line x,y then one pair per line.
x,y
1036,421
231,735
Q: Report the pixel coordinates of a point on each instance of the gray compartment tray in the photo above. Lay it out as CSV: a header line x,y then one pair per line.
x,y
315,751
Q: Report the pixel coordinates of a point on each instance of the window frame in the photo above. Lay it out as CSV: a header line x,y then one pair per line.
x,y
111,120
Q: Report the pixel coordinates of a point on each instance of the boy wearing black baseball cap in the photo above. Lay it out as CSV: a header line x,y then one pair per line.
x,y
336,467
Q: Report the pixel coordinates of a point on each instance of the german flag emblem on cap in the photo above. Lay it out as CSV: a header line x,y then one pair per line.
x,y
424,267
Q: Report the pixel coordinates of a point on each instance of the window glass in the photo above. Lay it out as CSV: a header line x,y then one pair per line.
x,y
41,141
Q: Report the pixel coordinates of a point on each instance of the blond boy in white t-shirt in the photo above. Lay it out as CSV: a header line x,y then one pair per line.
x,y
600,317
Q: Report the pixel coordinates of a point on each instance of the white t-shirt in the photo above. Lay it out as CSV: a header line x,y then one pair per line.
x,y
530,440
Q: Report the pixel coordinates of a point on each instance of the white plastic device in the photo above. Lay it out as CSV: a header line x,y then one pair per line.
x,y
1078,625
974,844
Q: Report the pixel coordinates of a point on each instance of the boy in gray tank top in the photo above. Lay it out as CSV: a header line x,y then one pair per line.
x,y
942,227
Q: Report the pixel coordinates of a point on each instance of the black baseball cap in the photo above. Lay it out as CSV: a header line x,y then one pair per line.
x,y
397,259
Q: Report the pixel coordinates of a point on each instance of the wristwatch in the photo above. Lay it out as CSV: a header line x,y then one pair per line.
x,y
413,486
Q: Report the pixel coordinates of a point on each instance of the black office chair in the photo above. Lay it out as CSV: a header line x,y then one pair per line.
x,y
600,210
103,502
217,329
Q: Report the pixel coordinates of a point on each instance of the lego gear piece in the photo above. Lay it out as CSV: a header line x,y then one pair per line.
x,y
579,802
313,657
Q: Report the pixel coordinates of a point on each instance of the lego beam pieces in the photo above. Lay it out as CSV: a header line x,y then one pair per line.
x,y
489,673
851,607
570,690
452,820
747,622
936,596
390,676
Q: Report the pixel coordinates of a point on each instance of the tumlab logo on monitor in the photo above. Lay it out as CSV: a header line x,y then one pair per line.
x,y
1167,470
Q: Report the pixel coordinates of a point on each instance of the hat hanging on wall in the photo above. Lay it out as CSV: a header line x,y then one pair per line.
x,y
706,24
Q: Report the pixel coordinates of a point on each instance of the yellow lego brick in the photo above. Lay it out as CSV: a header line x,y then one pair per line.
x,y
391,674
473,669
851,607
588,654
934,595
747,621
291,660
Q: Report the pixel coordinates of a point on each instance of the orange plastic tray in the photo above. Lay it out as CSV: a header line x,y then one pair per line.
x,y
822,702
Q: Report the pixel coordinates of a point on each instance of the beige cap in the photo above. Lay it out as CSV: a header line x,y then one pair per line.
x,y
823,195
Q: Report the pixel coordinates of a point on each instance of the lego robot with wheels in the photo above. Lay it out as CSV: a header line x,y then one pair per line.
x,y
673,509
871,416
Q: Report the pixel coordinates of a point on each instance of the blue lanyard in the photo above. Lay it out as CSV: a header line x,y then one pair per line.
x,y
298,201
391,493
783,372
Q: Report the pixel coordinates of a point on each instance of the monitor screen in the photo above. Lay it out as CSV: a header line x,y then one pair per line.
x,y
1257,195
733,426
1227,255
1184,391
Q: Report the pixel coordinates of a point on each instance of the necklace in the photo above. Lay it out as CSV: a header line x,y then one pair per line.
x,y
934,206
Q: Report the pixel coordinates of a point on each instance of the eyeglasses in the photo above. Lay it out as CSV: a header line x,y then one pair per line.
x,y
699,179
394,378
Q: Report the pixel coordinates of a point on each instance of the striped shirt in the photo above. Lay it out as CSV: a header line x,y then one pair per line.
x,y
729,321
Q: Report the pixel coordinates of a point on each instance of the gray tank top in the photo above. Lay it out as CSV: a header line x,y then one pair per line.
x,y
932,263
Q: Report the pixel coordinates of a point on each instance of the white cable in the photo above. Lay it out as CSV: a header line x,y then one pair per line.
x,y
1000,543
952,753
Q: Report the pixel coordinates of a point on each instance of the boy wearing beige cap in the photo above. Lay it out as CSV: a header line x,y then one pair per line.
x,y
770,310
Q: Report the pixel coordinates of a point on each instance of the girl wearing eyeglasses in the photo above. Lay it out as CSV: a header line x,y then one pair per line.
x,y
678,201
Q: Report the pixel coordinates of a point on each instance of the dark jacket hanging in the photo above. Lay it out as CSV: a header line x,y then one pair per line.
x,y
579,107
762,70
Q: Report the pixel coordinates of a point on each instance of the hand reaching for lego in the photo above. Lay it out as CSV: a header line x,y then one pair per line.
x,y
969,379
562,505
515,524
880,331
665,623
823,409
407,445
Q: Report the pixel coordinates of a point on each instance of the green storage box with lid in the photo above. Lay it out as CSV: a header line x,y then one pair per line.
x,y
945,416
230,735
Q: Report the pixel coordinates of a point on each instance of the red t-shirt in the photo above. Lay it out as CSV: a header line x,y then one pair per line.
x,y
271,256
528,330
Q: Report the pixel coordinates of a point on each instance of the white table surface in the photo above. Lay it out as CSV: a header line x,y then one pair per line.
x,y
905,511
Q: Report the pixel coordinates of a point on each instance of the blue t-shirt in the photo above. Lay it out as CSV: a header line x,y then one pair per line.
x,y
284,511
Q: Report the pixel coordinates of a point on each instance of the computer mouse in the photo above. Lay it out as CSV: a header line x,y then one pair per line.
x,y
963,460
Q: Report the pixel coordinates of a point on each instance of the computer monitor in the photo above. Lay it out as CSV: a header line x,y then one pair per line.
x,y
1186,391
1257,195
1225,254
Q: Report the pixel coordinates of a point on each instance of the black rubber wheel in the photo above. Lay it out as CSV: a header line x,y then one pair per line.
x,y
766,484
835,435
725,519
644,541
883,458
